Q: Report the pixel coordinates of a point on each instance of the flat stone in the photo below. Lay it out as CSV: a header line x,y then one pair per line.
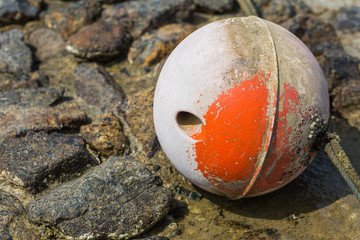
x,y
138,113
72,17
35,79
16,11
118,199
97,88
37,158
15,56
214,6
107,137
13,221
157,44
16,121
46,42
31,97
99,41
311,30
336,64
142,16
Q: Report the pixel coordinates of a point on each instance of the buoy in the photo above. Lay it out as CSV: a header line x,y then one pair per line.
x,y
239,107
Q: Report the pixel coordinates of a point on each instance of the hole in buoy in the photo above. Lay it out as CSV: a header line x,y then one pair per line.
x,y
189,123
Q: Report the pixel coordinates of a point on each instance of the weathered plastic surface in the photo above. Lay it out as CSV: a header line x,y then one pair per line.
x,y
239,105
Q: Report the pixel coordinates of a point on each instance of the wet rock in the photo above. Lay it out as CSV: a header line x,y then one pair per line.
x,y
107,137
348,19
336,64
16,121
138,112
118,199
72,17
97,88
35,79
99,41
31,97
16,11
346,99
142,16
13,222
46,42
278,11
157,44
312,31
15,56
37,158
214,6
267,233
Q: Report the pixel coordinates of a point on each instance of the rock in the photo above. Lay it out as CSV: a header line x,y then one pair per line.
x,y
99,41
138,113
311,30
68,19
348,19
278,11
214,6
117,199
97,88
142,16
336,64
37,158
107,137
15,56
31,97
35,79
16,121
157,44
154,238
46,42
16,11
13,221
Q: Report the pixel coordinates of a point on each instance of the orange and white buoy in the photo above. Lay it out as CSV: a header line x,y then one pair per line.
x,y
239,106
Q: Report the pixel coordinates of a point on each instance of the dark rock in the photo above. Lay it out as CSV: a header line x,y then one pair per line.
x,y
72,17
37,158
15,121
138,112
99,41
106,137
35,79
157,44
278,11
13,221
119,198
46,42
97,88
214,6
348,19
31,97
346,99
336,64
142,16
15,56
15,11
311,30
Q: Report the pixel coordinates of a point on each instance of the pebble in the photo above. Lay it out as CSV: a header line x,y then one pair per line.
x,y
97,88
69,19
13,221
155,45
214,6
46,42
99,41
142,16
17,121
35,79
37,158
138,113
346,98
107,137
119,198
15,56
16,11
